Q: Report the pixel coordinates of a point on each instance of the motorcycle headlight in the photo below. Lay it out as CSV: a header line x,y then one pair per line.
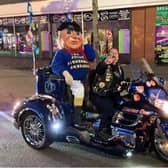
x,y
129,154
162,105
136,97
139,89
150,83
165,108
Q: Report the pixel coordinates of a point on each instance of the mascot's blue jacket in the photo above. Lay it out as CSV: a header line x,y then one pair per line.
x,y
75,62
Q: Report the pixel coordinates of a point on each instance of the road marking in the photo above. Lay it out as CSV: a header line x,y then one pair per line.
x,y
6,116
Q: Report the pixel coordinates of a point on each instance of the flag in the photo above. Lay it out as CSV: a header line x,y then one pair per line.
x,y
29,10
33,43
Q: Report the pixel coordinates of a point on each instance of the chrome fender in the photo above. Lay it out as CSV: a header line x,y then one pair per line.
x,y
161,139
44,106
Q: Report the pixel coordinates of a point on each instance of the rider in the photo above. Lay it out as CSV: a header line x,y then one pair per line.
x,y
72,61
109,75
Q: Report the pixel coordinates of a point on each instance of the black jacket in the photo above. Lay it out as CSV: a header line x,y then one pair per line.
x,y
107,79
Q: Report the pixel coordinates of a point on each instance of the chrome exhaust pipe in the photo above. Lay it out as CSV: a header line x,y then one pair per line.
x,y
72,139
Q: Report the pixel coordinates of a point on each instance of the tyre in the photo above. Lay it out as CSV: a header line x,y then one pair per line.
x,y
161,145
35,132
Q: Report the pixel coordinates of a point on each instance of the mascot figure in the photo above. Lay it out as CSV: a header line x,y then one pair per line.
x,y
73,62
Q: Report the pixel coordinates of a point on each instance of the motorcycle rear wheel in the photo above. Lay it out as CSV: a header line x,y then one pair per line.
x,y
35,131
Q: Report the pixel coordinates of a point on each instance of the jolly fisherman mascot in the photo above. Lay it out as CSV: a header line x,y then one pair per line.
x,y
72,61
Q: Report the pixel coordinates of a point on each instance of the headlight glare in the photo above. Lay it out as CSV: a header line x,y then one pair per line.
x,y
57,126
165,108
162,105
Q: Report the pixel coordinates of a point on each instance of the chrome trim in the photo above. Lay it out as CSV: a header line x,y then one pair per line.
x,y
41,96
72,139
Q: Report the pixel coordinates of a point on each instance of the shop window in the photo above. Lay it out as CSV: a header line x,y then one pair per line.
x,y
113,31
16,37
7,38
56,21
161,43
44,36
27,37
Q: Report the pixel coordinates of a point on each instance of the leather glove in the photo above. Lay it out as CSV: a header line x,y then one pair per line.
x,y
123,85
68,77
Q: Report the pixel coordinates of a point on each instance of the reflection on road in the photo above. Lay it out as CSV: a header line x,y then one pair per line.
x,y
6,115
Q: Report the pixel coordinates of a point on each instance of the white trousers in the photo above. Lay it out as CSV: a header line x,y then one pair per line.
x,y
78,92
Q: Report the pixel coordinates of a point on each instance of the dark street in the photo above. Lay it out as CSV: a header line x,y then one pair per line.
x,y
14,152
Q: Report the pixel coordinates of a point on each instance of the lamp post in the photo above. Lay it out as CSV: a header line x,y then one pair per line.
x,y
29,10
95,28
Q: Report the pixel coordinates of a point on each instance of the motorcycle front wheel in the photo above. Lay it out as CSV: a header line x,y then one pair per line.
x,y
35,131
161,145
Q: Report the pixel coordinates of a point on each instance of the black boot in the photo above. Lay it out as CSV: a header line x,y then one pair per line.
x,y
104,134
77,121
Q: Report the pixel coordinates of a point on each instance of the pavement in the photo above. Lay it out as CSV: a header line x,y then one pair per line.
x,y
14,86
18,83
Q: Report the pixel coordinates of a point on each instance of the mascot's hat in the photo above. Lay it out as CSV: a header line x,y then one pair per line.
x,y
70,25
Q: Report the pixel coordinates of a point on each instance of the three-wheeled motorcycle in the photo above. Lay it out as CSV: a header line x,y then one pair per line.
x,y
139,124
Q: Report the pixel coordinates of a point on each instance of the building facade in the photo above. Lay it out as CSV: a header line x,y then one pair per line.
x,y
129,26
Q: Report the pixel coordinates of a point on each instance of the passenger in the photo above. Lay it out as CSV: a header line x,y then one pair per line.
x,y
72,61
109,75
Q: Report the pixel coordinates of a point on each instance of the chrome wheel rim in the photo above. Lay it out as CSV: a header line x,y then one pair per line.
x,y
34,131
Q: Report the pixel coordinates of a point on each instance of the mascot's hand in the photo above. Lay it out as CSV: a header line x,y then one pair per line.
x,y
68,77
